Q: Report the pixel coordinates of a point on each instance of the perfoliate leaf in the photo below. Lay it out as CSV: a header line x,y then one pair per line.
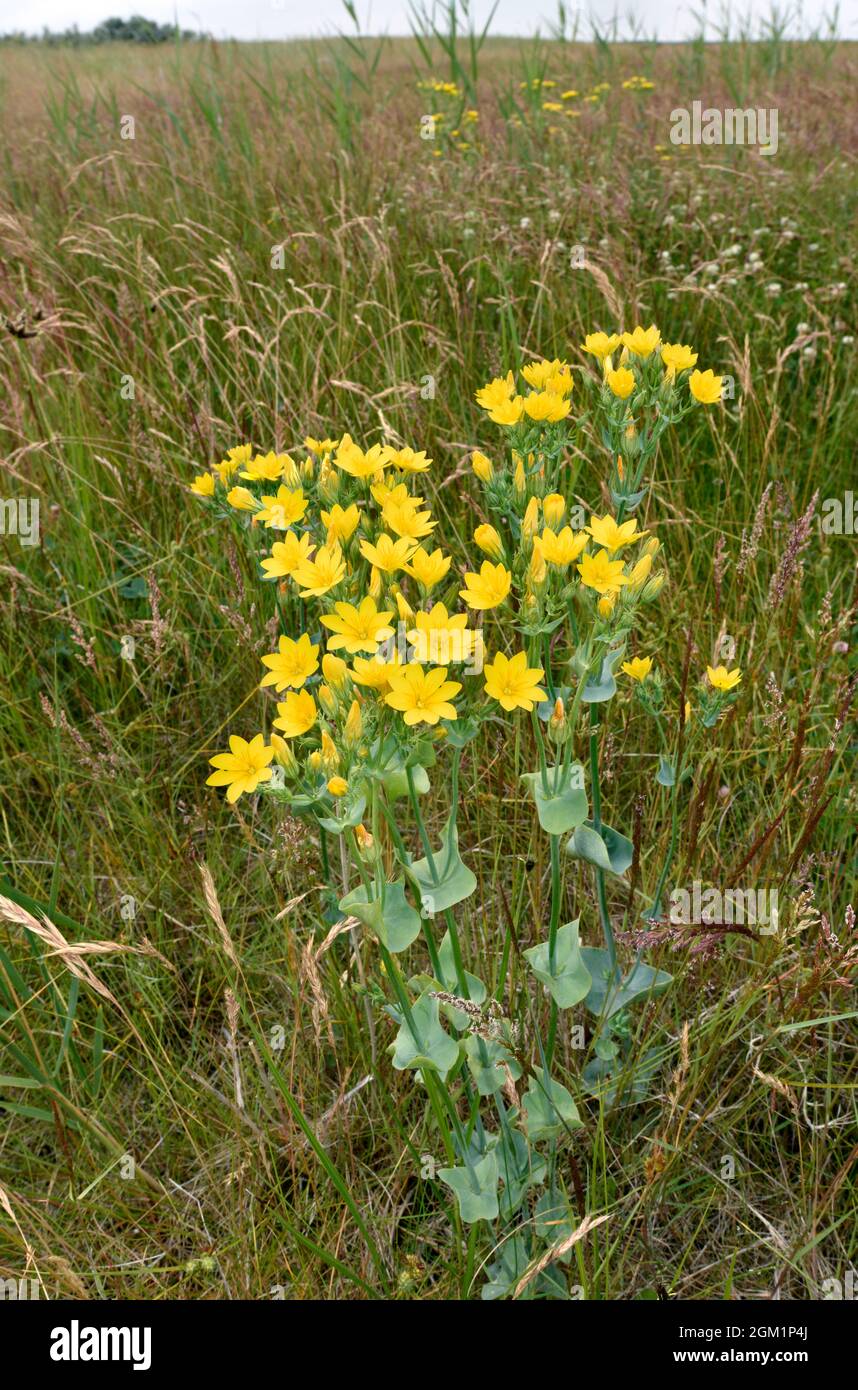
x,y
486,1062
562,804
390,915
452,880
608,995
476,1188
608,849
421,1041
548,1107
568,979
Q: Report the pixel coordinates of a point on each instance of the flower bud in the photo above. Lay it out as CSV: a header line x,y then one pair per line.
x,y
538,570
652,547
327,699
374,586
338,786
284,756
329,755
558,725
640,573
314,762
482,466
653,587
489,541
605,606
530,521
308,470
364,839
554,509
335,671
291,476
406,612
519,481
354,724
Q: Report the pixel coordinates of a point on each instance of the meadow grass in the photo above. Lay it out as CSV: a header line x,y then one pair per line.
x,y
278,253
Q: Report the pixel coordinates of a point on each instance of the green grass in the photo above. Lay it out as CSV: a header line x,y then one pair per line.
x,y
264,1157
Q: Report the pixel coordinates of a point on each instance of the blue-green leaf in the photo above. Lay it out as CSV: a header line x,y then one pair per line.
x,y
421,1041
390,915
563,803
568,979
476,1188
452,880
548,1107
608,849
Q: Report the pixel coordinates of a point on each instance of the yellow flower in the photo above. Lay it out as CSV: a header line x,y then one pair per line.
x,y
638,668
357,629
320,447
513,683
600,345
422,697
335,670
722,679
537,374
242,768
482,466
563,548
337,786
705,386
204,485
233,461
340,522
601,573
607,533
407,521
242,499
283,510
488,588
553,509
489,541
440,637
352,459
642,341
265,468
374,673
621,382
507,412
677,357
428,569
388,555
292,665
408,461
544,405
496,392
316,577
297,713
561,383
287,556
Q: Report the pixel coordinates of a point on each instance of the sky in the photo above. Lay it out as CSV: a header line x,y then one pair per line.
x,y
280,19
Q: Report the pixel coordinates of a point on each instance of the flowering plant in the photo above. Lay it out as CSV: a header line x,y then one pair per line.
x,y
387,663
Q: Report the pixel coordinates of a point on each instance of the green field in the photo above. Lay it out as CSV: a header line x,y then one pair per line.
x,y
208,245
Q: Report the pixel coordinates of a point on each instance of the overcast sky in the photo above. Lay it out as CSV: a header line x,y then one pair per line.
x,y
277,19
